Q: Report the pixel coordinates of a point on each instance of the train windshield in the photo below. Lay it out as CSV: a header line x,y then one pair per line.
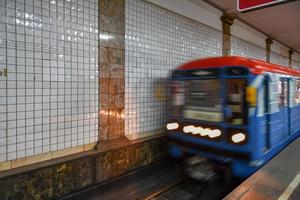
x,y
204,100
210,99
204,95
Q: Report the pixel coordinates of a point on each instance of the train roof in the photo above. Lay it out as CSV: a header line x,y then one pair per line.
x,y
254,65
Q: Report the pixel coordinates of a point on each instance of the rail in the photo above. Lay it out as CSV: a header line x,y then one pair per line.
x,y
165,189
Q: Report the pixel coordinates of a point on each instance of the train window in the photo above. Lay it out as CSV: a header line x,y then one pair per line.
x,y
280,94
237,71
285,93
236,100
297,94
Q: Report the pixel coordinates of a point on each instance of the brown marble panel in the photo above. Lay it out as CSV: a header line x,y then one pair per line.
x,y
120,162
104,102
116,56
109,7
226,44
55,181
133,156
41,184
113,24
17,187
119,100
72,176
143,154
112,67
113,131
121,9
103,124
121,18
50,182
122,121
117,71
103,132
116,85
113,40
121,42
116,123
104,166
135,159
104,85
112,101
112,55
104,115
121,56
158,149
104,70
104,121
104,54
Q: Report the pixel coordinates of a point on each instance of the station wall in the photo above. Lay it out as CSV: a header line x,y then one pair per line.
x,y
296,65
157,41
49,99
140,42
279,59
247,42
244,48
55,174
193,9
248,34
296,60
279,54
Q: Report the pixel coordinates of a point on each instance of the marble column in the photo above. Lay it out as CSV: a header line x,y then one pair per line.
x,y
291,52
269,42
227,21
111,69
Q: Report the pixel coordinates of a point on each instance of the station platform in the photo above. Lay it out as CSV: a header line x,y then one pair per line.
x,y
278,179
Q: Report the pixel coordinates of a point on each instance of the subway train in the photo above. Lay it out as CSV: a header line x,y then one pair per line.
x,y
233,110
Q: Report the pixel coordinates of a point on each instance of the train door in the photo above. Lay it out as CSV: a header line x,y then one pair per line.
x,y
284,105
267,112
289,88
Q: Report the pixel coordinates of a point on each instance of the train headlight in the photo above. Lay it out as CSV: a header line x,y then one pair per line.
x,y
189,129
172,126
197,130
214,133
205,132
238,137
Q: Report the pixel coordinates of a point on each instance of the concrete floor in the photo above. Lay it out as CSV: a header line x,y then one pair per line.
x,y
275,179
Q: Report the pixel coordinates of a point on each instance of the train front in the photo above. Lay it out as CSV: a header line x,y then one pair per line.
x,y
209,116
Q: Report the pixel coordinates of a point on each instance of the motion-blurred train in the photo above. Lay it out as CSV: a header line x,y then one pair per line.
x,y
233,110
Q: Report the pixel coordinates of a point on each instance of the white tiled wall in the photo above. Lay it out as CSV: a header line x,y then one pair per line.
x,y
279,59
49,99
243,48
296,65
157,41
296,60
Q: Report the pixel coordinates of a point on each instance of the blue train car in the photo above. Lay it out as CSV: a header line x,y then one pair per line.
x,y
234,110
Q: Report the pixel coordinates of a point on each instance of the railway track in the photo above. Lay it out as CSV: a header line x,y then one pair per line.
x,y
163,181
158,193
190,189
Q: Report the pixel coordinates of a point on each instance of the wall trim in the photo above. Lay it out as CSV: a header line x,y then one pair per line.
x,y
104,146
17,163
